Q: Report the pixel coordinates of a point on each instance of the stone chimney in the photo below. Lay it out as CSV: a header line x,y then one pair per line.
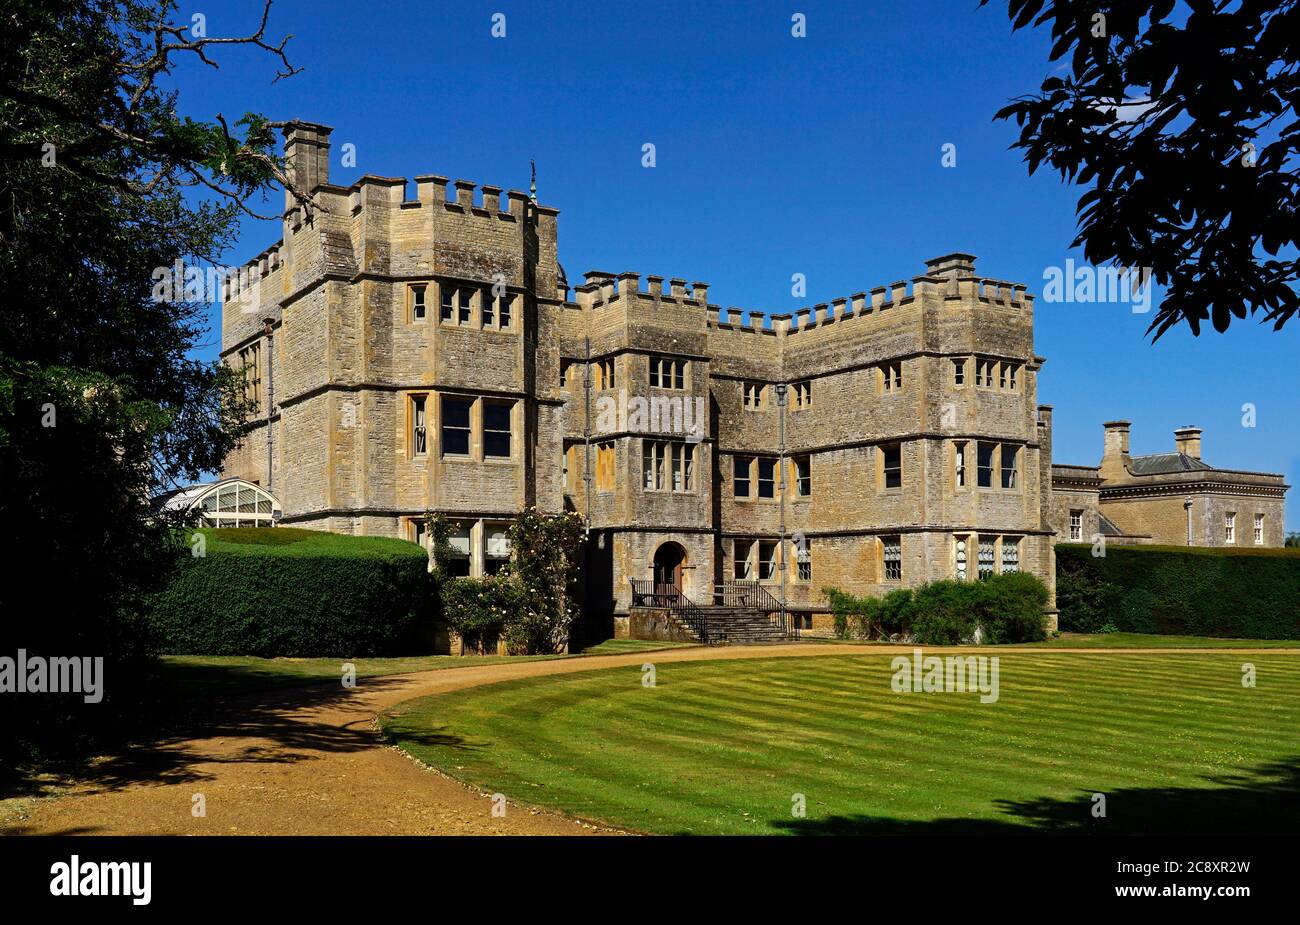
x,y
1115,456
307,157
1188,440
951,266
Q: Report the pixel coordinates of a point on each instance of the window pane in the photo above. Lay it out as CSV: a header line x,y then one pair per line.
x,y
893,466
1009,466
1010,554
496,416
496,429
741,481
455,412
455,426
496,445
742,567
985,451
498,543
767,478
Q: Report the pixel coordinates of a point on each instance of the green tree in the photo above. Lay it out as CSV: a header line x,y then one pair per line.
x,y
1292,540
1179,119
101,403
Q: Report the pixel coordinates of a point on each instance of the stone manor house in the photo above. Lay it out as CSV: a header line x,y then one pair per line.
x,y
429,354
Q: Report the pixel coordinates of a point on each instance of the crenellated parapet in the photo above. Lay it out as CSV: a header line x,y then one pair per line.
x,y
602,288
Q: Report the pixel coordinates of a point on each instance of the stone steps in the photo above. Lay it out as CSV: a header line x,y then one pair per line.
x,y
740,625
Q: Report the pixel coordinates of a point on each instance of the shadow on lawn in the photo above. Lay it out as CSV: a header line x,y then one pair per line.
x,y
188,719
1261,800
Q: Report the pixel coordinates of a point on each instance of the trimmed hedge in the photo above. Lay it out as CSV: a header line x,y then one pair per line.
x,y
1002,608
279,591
1232,593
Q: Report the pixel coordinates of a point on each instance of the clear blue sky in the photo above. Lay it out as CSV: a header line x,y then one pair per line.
x,y
775,155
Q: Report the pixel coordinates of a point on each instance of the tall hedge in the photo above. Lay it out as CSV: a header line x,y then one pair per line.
x,y
1242,593
280,591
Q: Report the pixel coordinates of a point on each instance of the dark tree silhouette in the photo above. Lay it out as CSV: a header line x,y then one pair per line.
x,y
101,402
1179,118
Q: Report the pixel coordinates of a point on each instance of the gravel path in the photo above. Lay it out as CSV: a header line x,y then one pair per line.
x,y
310,761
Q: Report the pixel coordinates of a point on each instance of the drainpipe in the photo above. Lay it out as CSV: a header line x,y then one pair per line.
x,y
269,331
586,436
780,450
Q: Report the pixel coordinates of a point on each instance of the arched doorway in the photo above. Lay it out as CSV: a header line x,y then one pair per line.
x,y
668,562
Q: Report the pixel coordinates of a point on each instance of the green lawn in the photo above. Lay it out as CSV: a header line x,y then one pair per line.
x,y
1144,641
624,646
1173,740
1106,641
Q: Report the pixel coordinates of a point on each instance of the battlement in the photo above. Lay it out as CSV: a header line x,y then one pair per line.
x,y
935,284
602,288
251,272
307,153
949,279
431,191
744,320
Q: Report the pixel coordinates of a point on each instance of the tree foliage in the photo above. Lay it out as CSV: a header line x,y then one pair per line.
x,y
102,404
1179,118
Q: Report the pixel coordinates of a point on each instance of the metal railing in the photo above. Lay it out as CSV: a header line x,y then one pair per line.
x,y
753,596
648,593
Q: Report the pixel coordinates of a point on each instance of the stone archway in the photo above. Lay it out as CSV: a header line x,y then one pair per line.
x,y
669,560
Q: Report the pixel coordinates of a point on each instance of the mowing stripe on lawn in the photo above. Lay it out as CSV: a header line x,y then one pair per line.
x,y
721,746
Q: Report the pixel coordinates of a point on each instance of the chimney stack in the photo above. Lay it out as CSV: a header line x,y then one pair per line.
x,y
951,266
1188,441
307,157
1115,456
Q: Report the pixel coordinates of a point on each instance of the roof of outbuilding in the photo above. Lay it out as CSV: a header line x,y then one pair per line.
x,y
1107,526
1162,463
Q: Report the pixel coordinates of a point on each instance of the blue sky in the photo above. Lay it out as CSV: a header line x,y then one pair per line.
x,y
775,155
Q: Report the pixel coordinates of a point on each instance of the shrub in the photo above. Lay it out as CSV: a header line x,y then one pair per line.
x,y
1003,608
850,613
942,612
893,615
279,591
1244,593
478,609
532,602
1009,608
